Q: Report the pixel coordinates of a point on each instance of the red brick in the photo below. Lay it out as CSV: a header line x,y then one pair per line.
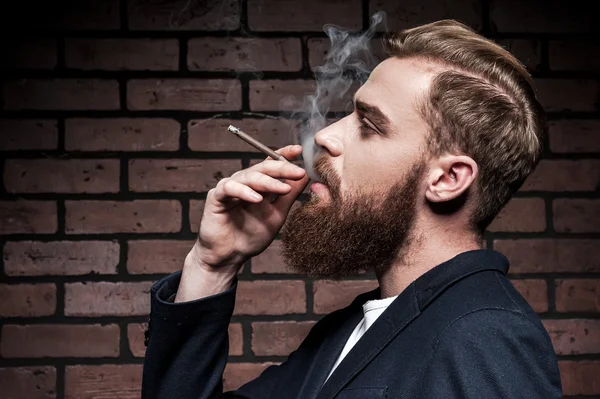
x,y
237,374
271,260
184,94
196,210
535,293
236,340
107,299
61,94
578,295
122,134
546,255
138,216
332,295
98,14
61,176
135,337
580,56
27,300
288,95
28,53
122,54
411,13
212,134
574,337
278,338
28,217
157,256
580,377
318,49
581,136
60,340
541,17
270,297
576,215
557,175
183,15
529,52
35,382
178,175
521,215
62,258
281,95
567,94
243,54
34,134
288,15
106,380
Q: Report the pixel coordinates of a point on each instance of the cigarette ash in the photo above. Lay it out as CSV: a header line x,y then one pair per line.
x,y
348,65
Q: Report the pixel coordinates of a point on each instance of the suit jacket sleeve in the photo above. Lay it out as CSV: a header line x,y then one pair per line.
x,y
493,353
188,345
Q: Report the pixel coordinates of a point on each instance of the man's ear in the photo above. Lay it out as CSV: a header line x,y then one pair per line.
x,y
450,176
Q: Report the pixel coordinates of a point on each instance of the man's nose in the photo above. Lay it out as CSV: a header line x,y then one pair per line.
x,y
329,139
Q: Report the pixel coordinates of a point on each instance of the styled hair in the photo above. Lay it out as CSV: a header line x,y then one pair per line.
x,y
481,104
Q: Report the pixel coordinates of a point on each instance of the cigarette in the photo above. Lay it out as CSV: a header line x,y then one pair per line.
x,y
256,144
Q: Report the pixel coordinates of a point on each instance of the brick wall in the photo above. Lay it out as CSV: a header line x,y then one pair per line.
x,y
113,129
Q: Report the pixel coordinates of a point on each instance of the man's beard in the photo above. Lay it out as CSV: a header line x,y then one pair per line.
x,y
354,232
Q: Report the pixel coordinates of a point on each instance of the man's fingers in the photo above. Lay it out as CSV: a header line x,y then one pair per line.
x,y
278,169
247,185
263,183
290,152
231,189
284,202
262,178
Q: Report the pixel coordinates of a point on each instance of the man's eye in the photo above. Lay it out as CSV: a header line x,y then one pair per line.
x,y
367,127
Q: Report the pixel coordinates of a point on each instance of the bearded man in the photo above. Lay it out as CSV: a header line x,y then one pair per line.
x,y
442,134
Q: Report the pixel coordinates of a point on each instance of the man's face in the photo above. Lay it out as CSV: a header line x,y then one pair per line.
x,y
372,165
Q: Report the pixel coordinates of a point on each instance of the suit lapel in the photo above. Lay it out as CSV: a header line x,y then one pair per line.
x,y
393,320
405,309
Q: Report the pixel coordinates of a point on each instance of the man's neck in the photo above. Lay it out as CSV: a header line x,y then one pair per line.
x,y
422,255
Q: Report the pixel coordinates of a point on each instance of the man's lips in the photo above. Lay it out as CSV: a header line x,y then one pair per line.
x,y
320,189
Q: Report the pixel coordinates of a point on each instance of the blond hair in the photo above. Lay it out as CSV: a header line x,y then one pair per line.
x,y
482,104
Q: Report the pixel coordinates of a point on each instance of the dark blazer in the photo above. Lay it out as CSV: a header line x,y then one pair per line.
x,y
459,331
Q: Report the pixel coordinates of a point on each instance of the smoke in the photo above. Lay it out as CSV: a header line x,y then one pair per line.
x,y
347,65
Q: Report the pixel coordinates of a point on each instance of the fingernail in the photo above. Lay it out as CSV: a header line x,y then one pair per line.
x,y
256,196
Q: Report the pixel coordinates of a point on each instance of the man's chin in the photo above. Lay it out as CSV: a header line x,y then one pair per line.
x,y
318,243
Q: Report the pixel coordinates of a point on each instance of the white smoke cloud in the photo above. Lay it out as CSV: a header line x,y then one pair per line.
x,y
348,64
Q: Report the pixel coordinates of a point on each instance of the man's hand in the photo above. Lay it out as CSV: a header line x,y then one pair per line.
x,y
239,222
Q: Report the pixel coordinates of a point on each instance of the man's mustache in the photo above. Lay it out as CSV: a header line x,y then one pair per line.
x,y
327,175
323,169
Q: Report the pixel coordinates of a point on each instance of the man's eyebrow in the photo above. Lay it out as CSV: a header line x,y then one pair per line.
x,y
379,118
